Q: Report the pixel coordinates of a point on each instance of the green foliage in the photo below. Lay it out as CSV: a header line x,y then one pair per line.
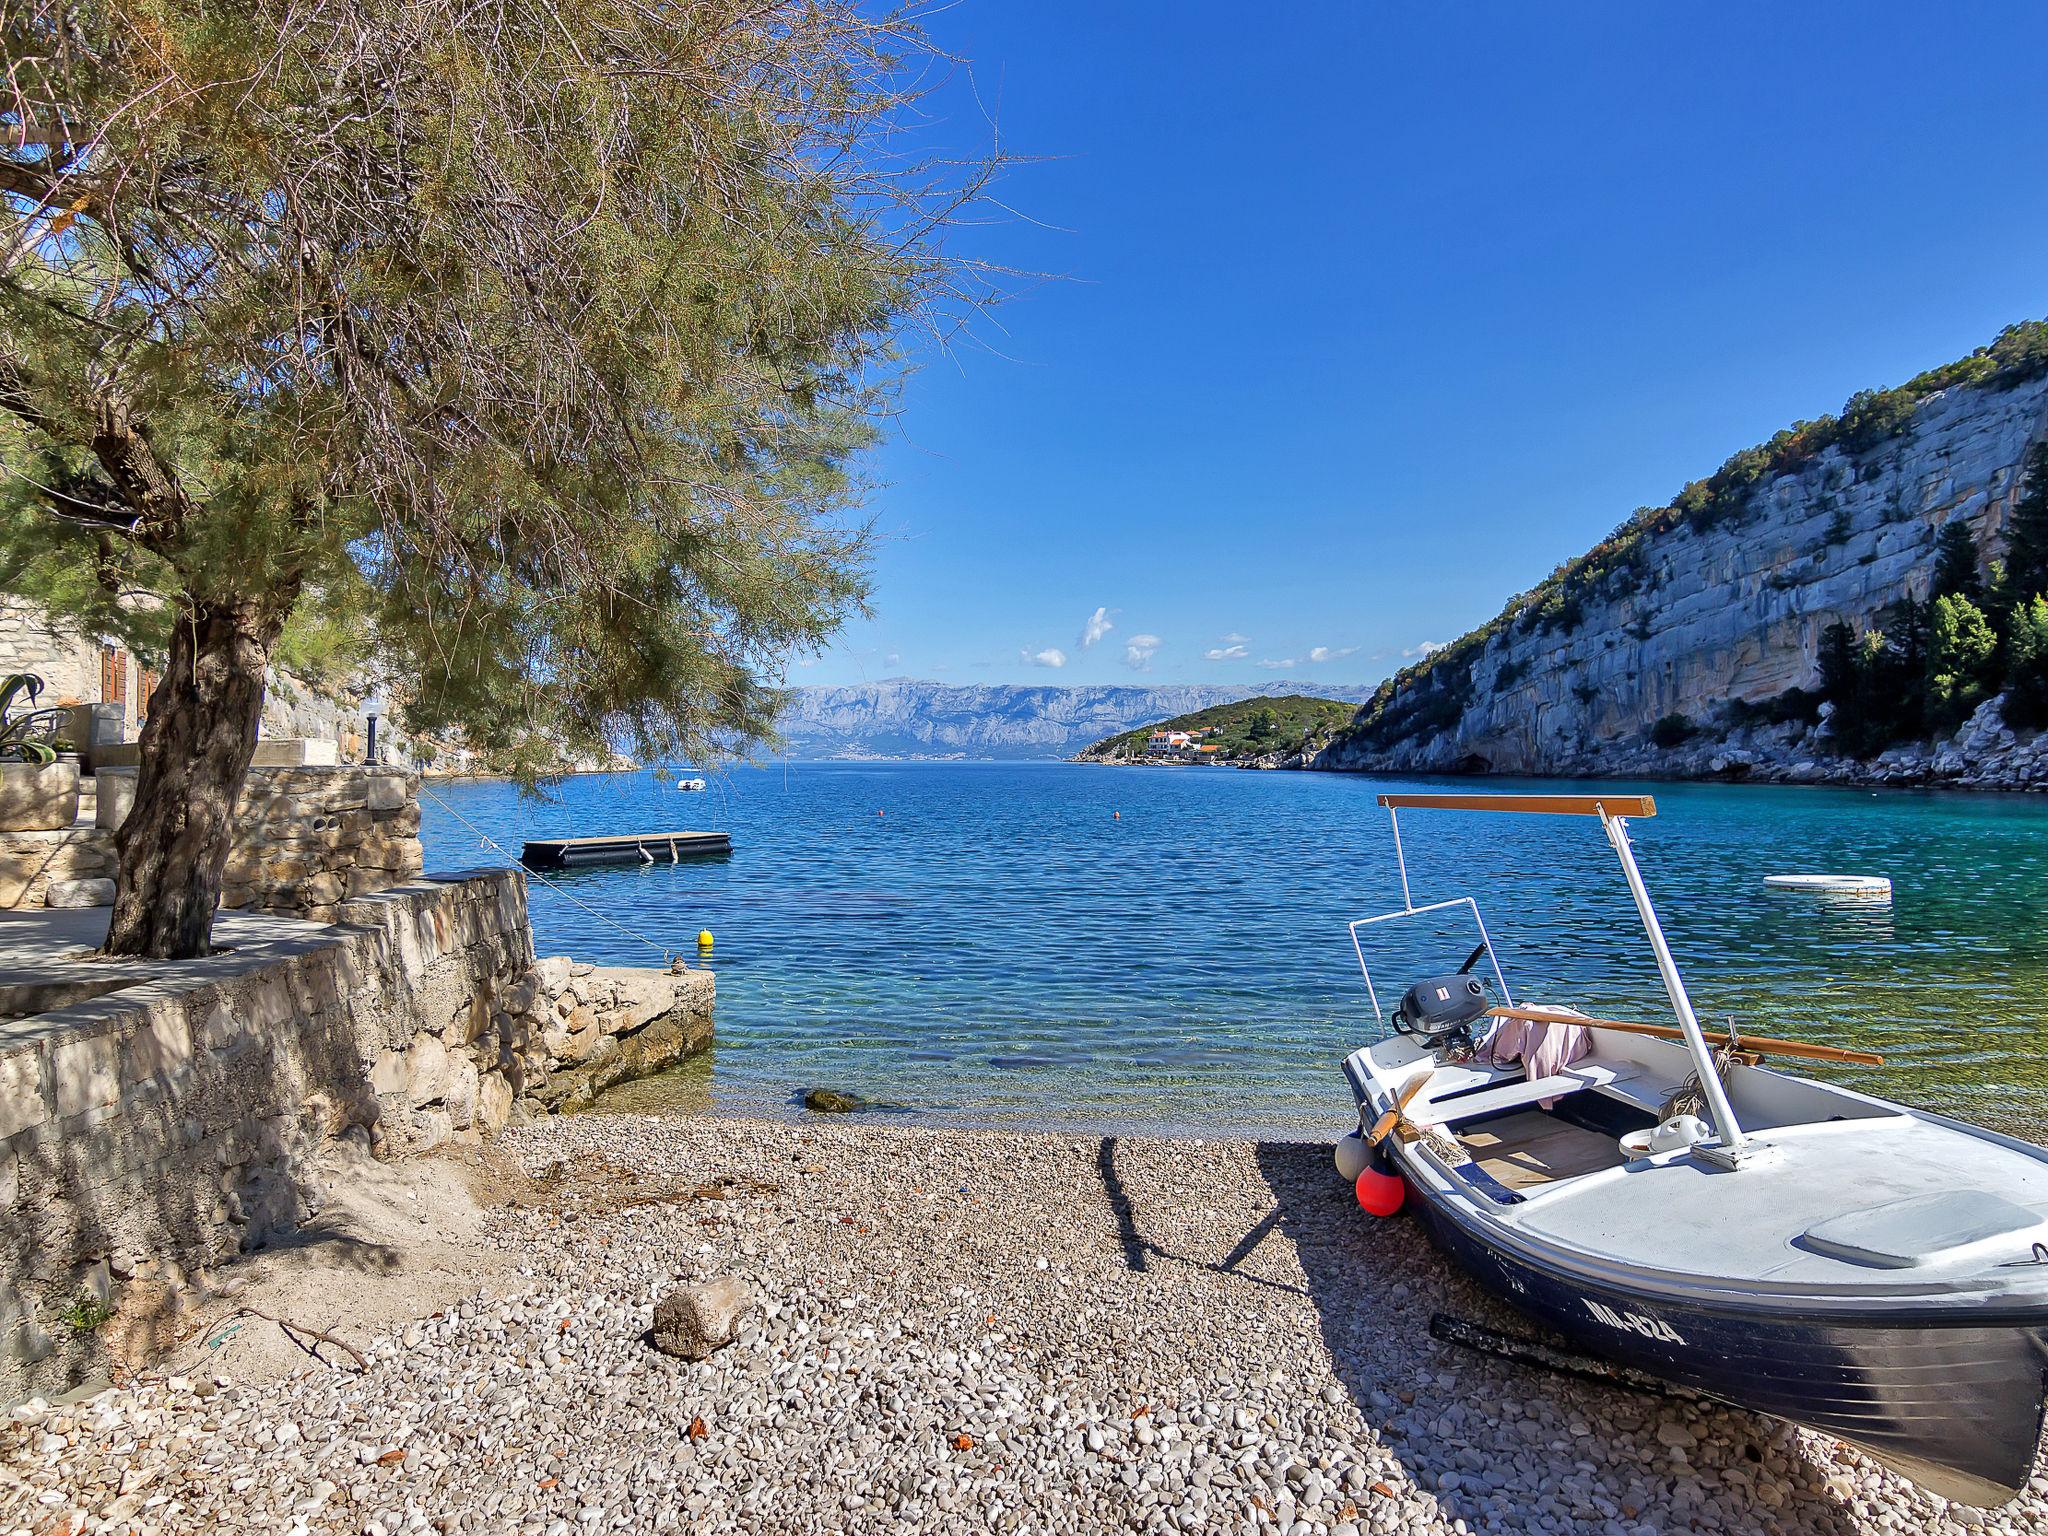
x,y
529,348
1244,729
1962,652
88,1314
2026,644
1955,563
1672,731
19,741
1876,682
2026,548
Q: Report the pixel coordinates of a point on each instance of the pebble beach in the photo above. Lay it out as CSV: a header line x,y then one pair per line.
x,y
951,1331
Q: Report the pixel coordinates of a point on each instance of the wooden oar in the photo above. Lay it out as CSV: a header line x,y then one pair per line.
x,y
1398,1115
1763,1045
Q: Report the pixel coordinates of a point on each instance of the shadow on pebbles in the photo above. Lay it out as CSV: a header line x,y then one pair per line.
x,y
951,1331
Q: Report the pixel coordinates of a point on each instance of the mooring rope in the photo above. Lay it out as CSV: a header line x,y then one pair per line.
x,y
667,955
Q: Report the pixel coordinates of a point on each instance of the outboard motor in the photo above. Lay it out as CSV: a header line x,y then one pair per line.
x,y
1439,1010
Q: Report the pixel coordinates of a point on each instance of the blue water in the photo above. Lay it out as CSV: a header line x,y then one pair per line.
x,y
1073,946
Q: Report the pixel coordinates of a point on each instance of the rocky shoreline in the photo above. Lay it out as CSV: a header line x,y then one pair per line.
x,y
1983,753
948,1330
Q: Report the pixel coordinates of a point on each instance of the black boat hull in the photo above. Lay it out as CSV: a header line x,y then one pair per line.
x,y
1956,1406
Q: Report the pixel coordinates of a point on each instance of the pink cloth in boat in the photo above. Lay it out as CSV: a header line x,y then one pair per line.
x,y
1542,1049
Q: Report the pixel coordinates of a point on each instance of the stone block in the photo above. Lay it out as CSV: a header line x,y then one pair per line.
x,y
162,1048
22,1104
693,1320
426,1070
387,1072
493,1101
639,995
463,1086
85,1074
80,893
295,752
218,1028
387,791
116,796
38,797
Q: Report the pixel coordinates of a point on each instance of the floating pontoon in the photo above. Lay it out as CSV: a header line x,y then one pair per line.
x,y
622,848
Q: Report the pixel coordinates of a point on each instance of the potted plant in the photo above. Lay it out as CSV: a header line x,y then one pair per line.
x,y
37,792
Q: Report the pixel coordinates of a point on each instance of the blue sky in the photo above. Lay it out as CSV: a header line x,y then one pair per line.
x,y
1369,315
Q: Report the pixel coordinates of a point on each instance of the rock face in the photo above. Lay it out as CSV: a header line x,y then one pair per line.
x,y
590,1027
1713,624
905,717
693,1320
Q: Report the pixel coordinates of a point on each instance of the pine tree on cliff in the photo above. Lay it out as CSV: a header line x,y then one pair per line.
x,y
1955,564
2026,538
530,343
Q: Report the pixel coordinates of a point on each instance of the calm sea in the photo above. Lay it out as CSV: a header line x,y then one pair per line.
x,y
1084,947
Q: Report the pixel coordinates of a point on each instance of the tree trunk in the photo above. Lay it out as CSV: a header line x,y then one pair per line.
x,y
196,747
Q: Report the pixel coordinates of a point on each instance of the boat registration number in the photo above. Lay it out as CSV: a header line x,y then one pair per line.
x,y
1635,1322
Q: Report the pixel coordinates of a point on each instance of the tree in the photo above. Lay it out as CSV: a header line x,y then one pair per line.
x,y
534,342
2026,535
1961,657
1955,563
2026,699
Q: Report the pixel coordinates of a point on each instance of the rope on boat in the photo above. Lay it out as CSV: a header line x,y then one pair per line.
x,y
486,840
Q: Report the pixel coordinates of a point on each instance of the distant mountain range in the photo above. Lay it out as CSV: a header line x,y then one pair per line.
x,y
907,717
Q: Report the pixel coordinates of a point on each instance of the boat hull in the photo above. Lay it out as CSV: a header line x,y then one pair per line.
x,y
1955,1405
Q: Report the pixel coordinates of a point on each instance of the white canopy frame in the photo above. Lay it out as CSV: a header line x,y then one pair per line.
x,y
1731,1144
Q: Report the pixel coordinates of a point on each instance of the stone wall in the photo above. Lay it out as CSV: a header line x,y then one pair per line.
x,y
306,840
171,1120
1733,614
67,660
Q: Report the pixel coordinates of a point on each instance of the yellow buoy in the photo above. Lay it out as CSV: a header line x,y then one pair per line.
x,y
704,938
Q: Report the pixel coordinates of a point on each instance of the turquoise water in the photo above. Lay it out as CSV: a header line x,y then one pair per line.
x,y
1072,946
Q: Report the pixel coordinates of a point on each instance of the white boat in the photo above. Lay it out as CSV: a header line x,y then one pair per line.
x,y
689,784
1876,1272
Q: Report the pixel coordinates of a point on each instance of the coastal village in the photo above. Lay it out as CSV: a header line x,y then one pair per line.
x,y
413,418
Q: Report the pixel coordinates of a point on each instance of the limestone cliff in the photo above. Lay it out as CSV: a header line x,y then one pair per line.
x,y
1706,616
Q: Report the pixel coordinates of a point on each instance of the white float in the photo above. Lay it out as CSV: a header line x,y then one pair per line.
x,y
1874,887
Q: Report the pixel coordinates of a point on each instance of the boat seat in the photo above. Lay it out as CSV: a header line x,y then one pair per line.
x,y
1925,1229
1465,1106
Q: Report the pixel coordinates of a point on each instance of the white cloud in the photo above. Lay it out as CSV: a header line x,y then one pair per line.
x,y
1051,656
1226,653
1331,653
1234,638
892,659
1139,651
1427,648
1278,666
807,661
1097,626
